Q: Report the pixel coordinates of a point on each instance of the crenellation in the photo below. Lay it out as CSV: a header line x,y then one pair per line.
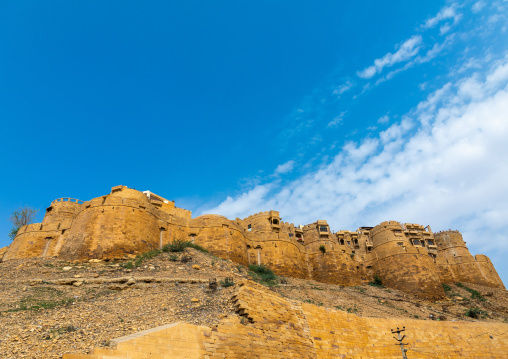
x,y
126,222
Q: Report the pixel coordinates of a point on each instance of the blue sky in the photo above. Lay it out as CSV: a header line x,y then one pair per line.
x,y
353,112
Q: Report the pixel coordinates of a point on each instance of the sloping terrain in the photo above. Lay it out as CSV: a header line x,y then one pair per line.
x,y
49,308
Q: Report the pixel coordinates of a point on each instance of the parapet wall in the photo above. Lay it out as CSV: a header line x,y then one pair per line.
x,y
127,222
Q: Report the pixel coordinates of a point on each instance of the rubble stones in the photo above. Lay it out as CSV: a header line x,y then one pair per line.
x,y
99,314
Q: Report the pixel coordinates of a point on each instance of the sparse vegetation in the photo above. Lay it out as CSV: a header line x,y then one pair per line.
x,y
33,304
263,274
474,294
179,245
227,282
176,246
447,288
311,301
21,217
473,313
377,282
353,309
198,247
322,248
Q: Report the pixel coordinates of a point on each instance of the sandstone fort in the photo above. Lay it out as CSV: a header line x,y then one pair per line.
x,y
127,222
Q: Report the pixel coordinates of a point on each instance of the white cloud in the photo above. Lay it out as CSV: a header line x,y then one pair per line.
x,y
343,88
285,167
444,29
406,51
478,6
446,13
337,120
243,205
443,164
383,119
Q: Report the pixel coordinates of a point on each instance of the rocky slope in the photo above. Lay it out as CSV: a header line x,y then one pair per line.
x,y
49,307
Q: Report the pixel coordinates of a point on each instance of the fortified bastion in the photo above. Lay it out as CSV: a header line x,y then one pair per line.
x,y
127,222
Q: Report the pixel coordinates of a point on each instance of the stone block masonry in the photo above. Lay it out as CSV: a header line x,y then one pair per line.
x,y
269,326
128,222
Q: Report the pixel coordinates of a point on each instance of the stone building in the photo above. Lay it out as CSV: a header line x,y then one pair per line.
x,y
127,222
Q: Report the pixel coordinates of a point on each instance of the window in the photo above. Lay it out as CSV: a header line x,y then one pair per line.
x,y
275,221
323,229
416,242
430,242
342,242
290,235
400,244
249,227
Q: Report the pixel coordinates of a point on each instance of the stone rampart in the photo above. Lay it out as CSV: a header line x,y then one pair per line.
x,y
403,265
127,222
456,264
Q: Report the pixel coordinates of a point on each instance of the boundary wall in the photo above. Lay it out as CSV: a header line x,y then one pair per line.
x,y
269,326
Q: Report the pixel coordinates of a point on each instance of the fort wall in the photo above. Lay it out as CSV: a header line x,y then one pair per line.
x,y
402,265
127,222
222,237
456,264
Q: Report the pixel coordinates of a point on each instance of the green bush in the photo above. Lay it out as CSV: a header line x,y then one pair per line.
x,y
179,245
446,288
263,274
377,282
128,265
227,282
322,248
473,313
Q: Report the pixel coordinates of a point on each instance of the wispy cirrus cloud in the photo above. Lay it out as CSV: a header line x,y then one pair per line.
x,y
447,13
284,168
442,164
314,114
345,87
478,6
407,50
337,120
